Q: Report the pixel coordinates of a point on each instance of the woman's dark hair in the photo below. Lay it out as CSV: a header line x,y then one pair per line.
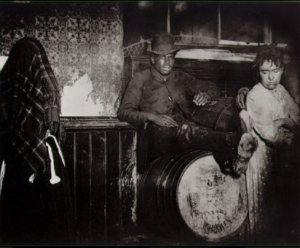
x,y
269,53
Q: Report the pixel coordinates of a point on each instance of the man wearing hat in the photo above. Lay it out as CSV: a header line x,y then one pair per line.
x,y
155,101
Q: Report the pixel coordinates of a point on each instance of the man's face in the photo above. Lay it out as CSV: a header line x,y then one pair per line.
x,y
270,74
163,63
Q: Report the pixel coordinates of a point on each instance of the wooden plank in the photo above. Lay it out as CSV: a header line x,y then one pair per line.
x,y
98,187
113,194
67,146
82,187
93,123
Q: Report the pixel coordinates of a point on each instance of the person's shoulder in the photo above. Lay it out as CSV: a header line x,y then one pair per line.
x,y
257,92
255,89
281,88
258,98
139,78
142,74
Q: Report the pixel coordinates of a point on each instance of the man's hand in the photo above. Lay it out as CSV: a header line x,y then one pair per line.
x,y
241,98
201,99
163,120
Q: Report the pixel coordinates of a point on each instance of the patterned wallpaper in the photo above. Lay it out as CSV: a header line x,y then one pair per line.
x,y
82,40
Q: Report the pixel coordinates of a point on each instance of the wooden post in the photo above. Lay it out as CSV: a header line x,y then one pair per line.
x,y
267,32
168,20
219,24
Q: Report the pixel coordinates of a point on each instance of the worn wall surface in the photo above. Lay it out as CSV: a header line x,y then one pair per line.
x,y
83,41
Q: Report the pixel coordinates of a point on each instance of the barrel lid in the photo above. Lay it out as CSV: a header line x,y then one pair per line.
x,y
213,205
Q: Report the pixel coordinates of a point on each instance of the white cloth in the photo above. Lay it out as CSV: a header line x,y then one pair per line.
x,y
264,106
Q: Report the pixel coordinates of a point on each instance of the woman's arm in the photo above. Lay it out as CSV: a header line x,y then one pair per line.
x,y
260,110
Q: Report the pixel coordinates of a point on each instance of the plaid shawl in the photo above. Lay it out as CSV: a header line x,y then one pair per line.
x,y
29,101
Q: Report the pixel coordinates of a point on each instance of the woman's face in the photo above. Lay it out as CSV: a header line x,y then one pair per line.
x,y
270,74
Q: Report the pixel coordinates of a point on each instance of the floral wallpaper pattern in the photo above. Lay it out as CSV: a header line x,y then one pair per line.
x,y
79,38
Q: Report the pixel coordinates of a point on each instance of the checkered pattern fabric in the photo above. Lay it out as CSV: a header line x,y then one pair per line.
x,y
29,101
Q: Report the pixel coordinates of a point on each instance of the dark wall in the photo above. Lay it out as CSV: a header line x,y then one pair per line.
x,y
242,21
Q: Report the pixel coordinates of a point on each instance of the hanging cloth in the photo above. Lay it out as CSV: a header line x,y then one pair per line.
x,y
29,103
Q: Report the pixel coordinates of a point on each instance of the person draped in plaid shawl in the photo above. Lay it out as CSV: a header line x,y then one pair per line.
x,y
30,101
32,209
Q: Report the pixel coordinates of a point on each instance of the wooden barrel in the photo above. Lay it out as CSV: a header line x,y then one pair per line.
x,y
186,197
220,114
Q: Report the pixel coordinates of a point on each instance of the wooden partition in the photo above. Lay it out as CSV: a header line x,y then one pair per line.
x,y
100,156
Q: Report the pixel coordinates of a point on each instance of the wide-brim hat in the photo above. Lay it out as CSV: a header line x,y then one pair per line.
x,y
163,43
